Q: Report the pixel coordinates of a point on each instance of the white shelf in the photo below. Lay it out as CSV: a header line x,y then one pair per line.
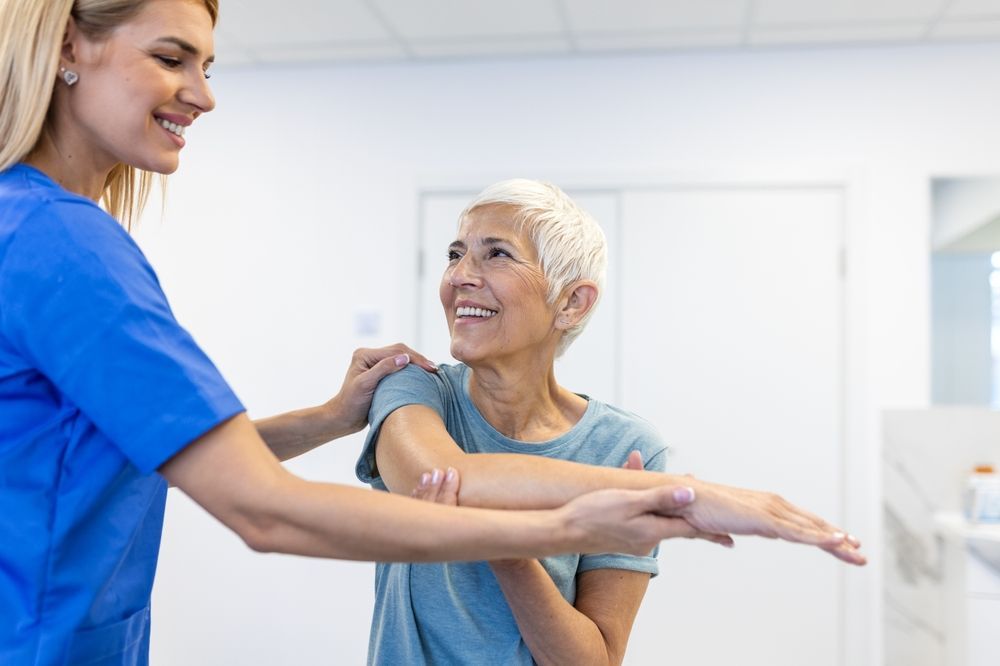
x,y
955,525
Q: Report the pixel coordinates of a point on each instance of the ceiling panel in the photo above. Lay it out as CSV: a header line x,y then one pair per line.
x,y
980,29
260,22
802,12
334,52
651,15
857,34
655,41
443,19
971,8
479,47
346,30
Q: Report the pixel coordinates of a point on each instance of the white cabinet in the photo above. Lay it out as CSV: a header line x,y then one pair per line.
x,y
972,590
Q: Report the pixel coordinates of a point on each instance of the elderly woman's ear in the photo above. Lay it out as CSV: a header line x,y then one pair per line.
x,y
576,302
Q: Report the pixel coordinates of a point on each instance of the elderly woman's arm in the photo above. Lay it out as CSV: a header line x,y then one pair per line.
x,y
413,439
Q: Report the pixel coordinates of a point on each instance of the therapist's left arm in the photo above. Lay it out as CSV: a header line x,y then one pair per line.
x,y
293,433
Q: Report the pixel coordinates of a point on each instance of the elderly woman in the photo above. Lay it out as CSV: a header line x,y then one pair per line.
x,y
523,277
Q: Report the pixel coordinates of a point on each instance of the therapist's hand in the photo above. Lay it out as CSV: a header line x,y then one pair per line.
x,y
368,366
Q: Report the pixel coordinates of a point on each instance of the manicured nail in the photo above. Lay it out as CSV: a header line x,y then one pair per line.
x,y
402,360
424,478
839,536
435,476
450,476
853,540
683,495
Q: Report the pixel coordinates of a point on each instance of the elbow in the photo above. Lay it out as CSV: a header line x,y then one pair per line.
x,y
257,530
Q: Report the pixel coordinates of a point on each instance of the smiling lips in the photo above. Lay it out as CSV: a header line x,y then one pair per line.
x,y
470,312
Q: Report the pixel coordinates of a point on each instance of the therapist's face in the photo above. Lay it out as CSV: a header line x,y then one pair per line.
x,y
140,87
494,293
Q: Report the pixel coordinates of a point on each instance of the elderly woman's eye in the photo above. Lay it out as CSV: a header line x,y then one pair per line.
x,y
498,252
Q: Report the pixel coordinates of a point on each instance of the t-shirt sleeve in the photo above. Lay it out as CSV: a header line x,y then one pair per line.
x,y
410,386
655,457
80,303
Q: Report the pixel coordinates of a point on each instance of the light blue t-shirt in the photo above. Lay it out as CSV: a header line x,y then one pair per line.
x,y
99,386
455,613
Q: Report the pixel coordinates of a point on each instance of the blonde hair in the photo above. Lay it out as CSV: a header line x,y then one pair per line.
x,y
31,40
571,245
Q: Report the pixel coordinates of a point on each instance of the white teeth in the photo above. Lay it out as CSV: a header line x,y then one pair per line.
x,y
173,127
474,312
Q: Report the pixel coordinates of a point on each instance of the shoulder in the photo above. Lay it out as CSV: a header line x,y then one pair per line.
x,y
37,214
416,379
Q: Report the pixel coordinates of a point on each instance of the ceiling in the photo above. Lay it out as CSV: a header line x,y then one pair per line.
x,y
265,31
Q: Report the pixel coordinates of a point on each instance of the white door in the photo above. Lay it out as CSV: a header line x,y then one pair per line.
x,y
590,365
732,329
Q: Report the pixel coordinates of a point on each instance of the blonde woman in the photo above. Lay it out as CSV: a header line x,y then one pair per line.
x,y
104,397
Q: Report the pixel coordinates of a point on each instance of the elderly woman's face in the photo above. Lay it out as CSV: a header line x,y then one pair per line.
x,y
493,290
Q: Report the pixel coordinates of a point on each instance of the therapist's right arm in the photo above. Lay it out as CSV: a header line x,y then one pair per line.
x,y
232,474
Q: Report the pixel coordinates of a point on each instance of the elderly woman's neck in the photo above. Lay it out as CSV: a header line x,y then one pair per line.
x,y
525,404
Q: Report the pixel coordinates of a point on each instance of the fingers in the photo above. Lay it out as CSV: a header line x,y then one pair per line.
x,y
437,486
367,359
634,461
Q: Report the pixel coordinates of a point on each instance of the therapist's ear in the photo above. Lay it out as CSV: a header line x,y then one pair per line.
x,y
579,298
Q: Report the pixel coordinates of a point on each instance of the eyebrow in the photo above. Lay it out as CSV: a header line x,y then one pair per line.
x,y
185,46
489,240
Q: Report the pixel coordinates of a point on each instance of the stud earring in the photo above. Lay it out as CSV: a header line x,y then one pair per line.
x,y
69,76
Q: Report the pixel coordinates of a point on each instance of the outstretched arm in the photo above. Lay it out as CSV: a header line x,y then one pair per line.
x,y
231,473
413,439
294,433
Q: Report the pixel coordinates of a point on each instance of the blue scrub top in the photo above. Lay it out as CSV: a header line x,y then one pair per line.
x,y
99,386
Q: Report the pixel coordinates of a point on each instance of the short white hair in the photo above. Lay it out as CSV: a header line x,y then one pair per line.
x,y
569,242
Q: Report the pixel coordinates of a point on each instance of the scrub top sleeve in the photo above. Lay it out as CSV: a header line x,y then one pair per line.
x,y
83,307
410,386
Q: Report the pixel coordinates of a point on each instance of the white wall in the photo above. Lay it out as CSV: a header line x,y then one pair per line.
x,y
295,208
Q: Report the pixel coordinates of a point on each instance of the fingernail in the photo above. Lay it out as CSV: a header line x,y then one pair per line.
x,y
853,540
424,478
435,476
683,495
839,536
434,366
450,476
402,360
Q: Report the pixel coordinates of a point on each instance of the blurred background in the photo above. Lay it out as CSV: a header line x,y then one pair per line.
x,y
801,201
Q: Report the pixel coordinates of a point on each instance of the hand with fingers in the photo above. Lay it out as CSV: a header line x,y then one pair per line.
x,y
367,368
726,509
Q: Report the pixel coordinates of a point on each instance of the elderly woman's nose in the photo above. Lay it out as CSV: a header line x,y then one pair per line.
x,y
464,272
